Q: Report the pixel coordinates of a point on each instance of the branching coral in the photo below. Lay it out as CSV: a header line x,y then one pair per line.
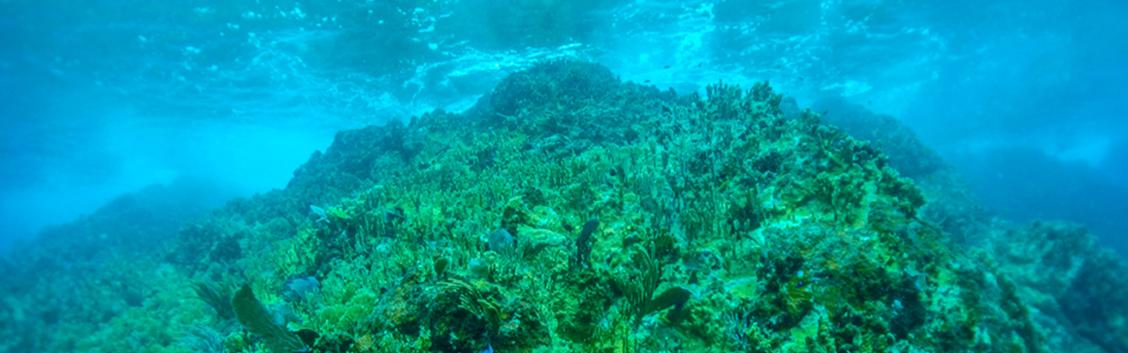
x,y
723,224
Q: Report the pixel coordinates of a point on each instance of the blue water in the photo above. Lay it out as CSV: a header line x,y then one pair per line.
x,y
1026,98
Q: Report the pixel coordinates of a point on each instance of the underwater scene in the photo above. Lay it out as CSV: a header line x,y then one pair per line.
x,y
550,176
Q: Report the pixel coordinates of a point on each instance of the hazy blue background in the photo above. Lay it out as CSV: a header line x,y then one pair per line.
x,y
99,98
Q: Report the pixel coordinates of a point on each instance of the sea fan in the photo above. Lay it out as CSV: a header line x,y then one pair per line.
x,y
254,316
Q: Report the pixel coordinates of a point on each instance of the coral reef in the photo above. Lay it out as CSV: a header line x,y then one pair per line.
x,y
571,212
951,205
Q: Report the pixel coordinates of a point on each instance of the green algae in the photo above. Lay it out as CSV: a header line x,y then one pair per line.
x,y
674,183
640,221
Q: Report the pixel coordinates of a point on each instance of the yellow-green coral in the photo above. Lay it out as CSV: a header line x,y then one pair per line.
x,y
642,221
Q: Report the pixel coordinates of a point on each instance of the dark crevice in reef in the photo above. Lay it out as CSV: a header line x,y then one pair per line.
x,y
568,211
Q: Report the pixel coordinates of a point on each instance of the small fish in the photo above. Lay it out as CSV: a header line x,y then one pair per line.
x,y
322,215
489,349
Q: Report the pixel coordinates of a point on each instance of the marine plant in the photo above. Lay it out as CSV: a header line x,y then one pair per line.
x,y
571,212
256,319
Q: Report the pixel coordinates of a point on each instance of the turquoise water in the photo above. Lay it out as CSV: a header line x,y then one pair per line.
x,y
186,105
89,86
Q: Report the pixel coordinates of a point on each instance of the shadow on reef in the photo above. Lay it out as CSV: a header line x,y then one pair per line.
x,y
570,212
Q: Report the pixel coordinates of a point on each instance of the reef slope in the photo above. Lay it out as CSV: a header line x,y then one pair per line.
x,y
571,212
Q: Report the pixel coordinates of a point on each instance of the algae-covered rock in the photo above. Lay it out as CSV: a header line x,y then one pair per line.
x,y
572,212
690,193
